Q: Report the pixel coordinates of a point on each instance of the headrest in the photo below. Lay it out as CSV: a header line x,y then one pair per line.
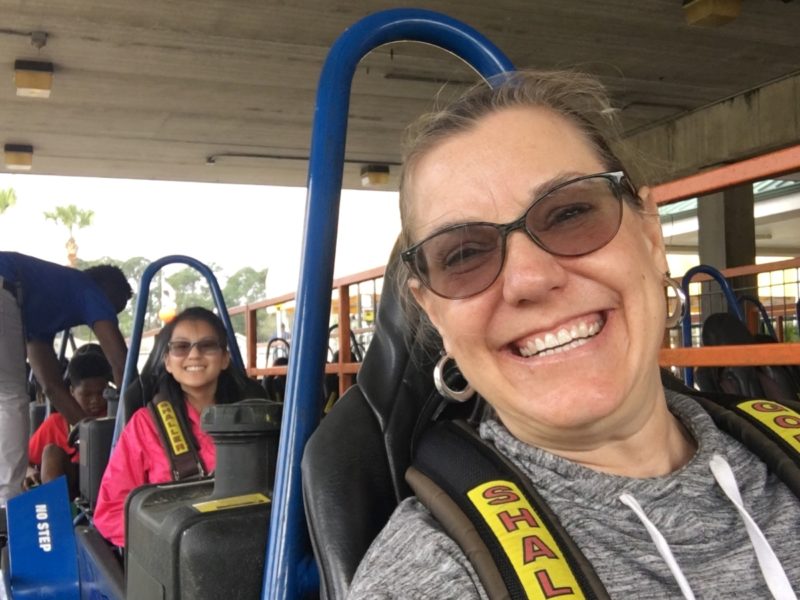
x,y
723,329
143,387
396,373
396,381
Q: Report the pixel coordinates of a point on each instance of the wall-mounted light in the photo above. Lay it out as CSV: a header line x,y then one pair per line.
x,y
33,78
374,175
18,157
711,13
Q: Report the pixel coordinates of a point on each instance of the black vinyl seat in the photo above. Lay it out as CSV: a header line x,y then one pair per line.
x,y
770,382
354,464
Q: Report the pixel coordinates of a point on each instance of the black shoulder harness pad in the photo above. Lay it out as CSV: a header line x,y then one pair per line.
x,y
516,543
769,429
184,459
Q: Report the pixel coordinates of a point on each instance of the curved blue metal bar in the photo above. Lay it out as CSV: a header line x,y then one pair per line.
x,y
765,318
686,326
138,325
289,570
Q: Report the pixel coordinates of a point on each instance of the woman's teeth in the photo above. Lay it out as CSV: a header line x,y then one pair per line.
x,y
195,368
562,340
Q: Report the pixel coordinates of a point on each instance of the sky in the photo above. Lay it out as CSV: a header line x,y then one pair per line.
x,y
230,225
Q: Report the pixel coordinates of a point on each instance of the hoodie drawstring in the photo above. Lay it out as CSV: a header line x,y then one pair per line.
x,y
661,545
771,569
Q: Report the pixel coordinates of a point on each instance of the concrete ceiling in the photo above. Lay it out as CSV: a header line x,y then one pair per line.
x,y
153,88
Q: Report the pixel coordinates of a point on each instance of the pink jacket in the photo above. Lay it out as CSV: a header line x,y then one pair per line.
x,y
139,458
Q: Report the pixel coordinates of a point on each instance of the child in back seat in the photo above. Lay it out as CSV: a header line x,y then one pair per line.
x,y
49,453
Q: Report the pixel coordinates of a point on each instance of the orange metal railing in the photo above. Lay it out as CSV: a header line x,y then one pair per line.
x,y
345,367
765,166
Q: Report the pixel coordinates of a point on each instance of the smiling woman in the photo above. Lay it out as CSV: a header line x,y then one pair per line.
x,y
196,374
540,267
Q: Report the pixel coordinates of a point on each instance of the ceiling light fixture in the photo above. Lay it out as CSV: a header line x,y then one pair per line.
x,y
374,175
711,13
33,78
18,157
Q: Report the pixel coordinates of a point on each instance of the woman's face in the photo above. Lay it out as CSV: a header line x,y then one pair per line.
x,y
604,385
201,367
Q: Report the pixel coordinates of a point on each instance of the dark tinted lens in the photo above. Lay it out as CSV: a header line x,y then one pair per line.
x,y
179,348
208,346
577,218
462,261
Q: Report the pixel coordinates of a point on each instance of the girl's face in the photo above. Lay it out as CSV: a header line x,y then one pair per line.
x,y
600,316
195,356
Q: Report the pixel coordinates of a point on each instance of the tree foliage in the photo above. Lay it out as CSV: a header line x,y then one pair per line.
x,y
245,286
191,288
8,198
71,217
133,269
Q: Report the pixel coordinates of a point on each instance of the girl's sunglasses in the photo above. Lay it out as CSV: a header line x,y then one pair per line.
x,y
182,348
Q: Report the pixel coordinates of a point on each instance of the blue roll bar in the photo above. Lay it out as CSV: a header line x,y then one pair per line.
x,y
289,570
765,318
686,326
138,325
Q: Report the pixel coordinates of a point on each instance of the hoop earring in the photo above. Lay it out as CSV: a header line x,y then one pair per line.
x,y
674,318
441,386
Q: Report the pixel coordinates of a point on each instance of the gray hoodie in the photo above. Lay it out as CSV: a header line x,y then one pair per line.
x,y
704,533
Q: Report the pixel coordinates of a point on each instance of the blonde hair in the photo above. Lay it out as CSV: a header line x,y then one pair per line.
x,y
578,97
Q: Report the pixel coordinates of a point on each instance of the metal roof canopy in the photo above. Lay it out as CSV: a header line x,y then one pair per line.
x,y
154,90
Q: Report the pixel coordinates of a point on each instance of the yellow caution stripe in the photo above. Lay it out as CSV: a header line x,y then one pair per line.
x,y
781,420
529,545
173,428
232,502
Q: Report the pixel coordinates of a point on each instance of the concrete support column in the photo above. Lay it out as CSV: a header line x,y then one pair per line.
x,y
727,238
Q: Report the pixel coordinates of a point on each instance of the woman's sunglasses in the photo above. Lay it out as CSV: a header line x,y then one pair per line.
x,y
574,218
182,348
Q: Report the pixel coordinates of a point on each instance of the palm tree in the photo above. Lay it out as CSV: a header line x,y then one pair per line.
x,y
7,199
71,217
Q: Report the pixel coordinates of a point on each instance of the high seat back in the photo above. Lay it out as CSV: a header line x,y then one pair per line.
x,y
331,381
354,464
145,384
771,382
275,385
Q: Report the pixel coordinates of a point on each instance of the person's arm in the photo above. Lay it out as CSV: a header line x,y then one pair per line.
x,y
47,433
47,370
113,345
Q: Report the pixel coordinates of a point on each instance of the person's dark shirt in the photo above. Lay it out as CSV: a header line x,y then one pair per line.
x,y
54,297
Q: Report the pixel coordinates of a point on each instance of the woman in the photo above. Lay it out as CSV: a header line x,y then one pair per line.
x,y
195,375
556,318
